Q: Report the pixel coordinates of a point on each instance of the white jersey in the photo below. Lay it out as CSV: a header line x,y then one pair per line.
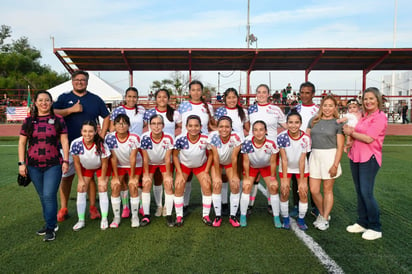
x,y
123,149
224,150
259,156
270,114
156,151
294,148
233,113
136,119
89,158
307,112
191,154
170,126
188,108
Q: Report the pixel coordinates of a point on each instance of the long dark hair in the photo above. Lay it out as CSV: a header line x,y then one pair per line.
x,y
240,110
137,93
35,113
96,139
197,82
169,110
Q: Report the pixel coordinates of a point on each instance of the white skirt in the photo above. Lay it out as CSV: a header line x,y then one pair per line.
x,y
320,161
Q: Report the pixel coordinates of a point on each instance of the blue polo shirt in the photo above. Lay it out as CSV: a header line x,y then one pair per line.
x,y
93,107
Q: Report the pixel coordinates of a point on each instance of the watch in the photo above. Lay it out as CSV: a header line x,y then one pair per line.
x,y
21,163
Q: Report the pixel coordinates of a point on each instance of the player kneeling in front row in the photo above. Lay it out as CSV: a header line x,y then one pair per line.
x,y
293,144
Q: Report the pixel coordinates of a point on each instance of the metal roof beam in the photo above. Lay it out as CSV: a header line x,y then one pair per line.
x,y
65,64
377,62
314,62
126,61
252,64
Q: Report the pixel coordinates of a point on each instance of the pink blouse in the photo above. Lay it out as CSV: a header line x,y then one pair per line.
x,y
374,125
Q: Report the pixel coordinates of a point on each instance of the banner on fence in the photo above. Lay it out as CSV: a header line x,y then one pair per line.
x,y
16,113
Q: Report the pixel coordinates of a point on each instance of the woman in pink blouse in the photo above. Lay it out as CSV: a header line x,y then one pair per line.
x,y
365,161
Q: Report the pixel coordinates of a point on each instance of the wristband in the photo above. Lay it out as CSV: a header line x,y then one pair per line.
x,y
272,178
65,162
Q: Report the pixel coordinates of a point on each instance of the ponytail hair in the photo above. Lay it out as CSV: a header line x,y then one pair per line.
x,y
169,110
96,139
240,110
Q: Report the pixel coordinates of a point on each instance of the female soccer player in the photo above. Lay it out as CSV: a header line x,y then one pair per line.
x,y
157,149
225,147
135,113
190,155
294,145
324,162
126,163
172,124
259,156
90,156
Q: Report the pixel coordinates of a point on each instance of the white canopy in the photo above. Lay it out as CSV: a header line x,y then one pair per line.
x,y
109,93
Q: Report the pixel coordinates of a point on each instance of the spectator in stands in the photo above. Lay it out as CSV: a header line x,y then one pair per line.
x,y
288,89
284,96
70,106
219,97
276,97
405,114
44,131
365,161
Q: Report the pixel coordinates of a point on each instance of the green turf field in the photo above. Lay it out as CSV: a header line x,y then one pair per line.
x,y
195,248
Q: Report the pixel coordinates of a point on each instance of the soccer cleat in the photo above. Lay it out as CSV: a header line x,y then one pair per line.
x,y
50,235
355,228
159,211
169,221
115,223
145,221
94,213
217,221
126,212
79,225
179,221
104,224
233,220
270,211
225,210
371,235
276,221
286,223
249,210
62,215
43,230
206,220
135,221
294,212
301,224
164,212
243,221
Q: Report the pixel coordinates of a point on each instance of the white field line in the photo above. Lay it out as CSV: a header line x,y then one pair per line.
x,y
330,265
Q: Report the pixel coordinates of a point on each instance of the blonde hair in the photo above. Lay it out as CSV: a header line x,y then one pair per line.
x,y
319,115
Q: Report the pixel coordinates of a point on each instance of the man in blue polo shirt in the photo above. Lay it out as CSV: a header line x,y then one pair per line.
x,y
77,106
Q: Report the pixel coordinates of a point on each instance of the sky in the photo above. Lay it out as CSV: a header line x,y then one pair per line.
x,y
214,24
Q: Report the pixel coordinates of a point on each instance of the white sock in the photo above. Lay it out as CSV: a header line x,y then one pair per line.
x,y
253,195
81,205
234,203
134,205
275,204
244,202
116,201
207,204
169,203
104,204
284,208
217,204
225,188
124,195
158,193
179,206
303,208
146,203
188,190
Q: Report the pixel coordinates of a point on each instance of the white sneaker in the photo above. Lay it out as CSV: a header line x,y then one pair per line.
x,y
164,212
104,224
135,221
323,225
371,235
318,220
115,223
159,211
79,225
355,228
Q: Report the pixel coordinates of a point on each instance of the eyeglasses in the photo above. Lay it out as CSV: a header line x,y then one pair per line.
x,y
79,80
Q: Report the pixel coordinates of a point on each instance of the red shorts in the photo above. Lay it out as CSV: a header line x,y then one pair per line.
x,y
152,168
290,175
226,166
195,170
264,171
126,170
90,172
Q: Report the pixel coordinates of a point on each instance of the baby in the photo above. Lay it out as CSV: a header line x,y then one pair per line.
x,y
351,118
